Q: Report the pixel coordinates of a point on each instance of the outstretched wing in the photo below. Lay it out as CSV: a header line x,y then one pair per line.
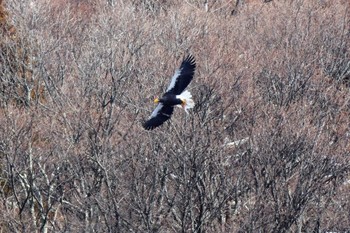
x,y
160,114
182,76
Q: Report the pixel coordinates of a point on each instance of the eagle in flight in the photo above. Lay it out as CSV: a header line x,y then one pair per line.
x,y
174,95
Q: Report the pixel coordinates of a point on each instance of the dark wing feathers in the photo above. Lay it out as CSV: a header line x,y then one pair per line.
x,y
182,76
160,114
179,82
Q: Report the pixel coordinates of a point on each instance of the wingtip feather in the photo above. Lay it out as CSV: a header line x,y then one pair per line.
x,y
190,59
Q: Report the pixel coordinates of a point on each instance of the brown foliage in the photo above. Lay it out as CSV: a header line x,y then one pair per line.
x,y
265,149
18,84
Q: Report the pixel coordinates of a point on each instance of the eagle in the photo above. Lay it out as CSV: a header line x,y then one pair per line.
x,y
175,95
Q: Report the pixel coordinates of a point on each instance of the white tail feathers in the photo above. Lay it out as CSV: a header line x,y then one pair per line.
x,y
188,102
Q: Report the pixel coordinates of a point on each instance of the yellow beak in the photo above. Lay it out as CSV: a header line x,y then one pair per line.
x,y
156,101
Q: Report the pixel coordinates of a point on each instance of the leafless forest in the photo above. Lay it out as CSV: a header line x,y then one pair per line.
x,y
266,148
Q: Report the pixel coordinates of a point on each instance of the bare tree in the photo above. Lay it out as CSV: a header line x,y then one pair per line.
x,y
265,148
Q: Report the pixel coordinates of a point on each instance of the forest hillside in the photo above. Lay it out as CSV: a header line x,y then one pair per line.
x,y
265,149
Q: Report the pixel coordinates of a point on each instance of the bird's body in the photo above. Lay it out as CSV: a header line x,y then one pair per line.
x,y
170,99
174,95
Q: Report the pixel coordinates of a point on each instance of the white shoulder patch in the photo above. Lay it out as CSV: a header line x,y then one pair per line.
x,y
156,110
173,79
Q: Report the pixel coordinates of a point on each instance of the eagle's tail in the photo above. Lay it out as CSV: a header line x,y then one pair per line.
x,y
188,102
